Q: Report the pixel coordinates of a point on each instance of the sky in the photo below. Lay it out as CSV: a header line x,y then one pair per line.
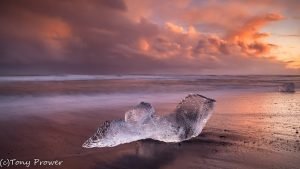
x,y
149,37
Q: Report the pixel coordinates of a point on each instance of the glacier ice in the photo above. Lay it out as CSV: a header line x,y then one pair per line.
x,y
141,122
287,87
140,113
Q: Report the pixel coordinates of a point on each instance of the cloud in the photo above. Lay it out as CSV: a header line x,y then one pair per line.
x,y
116,36
249,30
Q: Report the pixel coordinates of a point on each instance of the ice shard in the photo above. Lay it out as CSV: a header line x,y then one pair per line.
x,y
287,87
141,122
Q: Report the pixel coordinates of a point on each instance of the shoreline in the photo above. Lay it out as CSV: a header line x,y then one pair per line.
x,y
223,142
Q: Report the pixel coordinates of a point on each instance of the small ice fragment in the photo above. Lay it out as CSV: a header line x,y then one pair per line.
x,y
188,120
287,87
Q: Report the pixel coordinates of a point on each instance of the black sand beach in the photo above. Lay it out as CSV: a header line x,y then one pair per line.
x,y
253,125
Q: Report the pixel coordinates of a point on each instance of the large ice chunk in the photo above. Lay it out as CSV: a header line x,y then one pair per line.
x,y
188,120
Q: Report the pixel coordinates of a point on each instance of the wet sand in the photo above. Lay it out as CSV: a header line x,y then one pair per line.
x,y
247,130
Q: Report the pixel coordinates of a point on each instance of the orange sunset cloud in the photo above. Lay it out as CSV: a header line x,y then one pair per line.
x,y
186,36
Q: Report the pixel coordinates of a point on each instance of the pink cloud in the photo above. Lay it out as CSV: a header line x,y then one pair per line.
x,y
112,37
